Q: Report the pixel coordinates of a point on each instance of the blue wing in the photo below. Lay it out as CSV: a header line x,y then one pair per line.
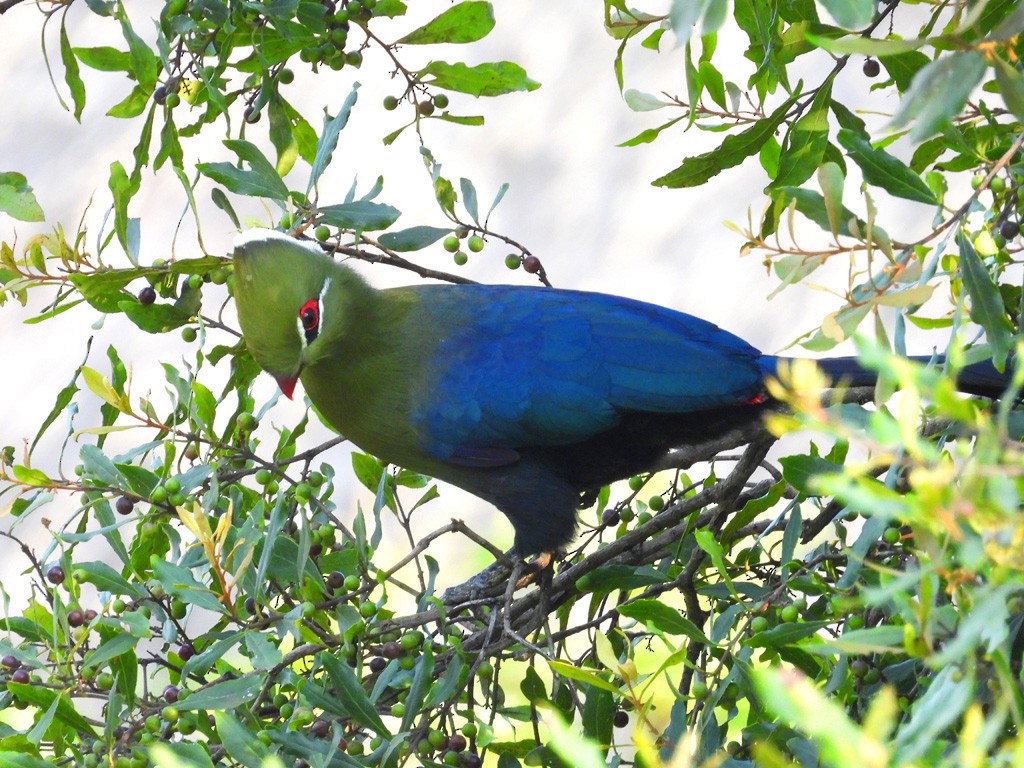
x,y
516,367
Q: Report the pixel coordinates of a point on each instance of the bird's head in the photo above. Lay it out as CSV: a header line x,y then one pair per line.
x,y
286,294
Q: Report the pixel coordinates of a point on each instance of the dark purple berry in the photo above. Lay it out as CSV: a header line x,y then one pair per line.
x,y
319,729
186,651
531,264
1009,229
377,664
621,719
872,68
391,650
124,505
76,618
20,676
55,575
170,694
11,662
147,296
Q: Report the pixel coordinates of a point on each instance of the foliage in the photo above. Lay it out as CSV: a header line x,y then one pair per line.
x,y
855,603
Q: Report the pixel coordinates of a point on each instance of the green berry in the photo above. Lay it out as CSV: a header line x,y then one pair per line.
x,y
976,180
189,334
451,243
246,422
656,503
172,100
285,76
475,243
351,583
469,730
172,484
323,232
998,183
790,614
398,709
512,261
440,101
390,103
354,58
892,535
195,282
460,258
411,640
485,671
303,491
636,482
263,476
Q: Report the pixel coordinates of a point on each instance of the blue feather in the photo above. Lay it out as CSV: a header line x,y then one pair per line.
x,y
534,366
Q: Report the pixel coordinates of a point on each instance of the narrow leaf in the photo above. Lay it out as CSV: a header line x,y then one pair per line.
x,y
881,169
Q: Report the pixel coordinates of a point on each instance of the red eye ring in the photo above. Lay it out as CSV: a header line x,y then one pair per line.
x,y
309,315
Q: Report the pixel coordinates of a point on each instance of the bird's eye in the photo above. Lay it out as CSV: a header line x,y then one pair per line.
x,y
309,317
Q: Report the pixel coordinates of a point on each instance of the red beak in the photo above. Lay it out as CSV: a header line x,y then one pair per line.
x,y
287,384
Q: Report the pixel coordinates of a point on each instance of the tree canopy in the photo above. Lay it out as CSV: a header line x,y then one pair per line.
x,y
841,585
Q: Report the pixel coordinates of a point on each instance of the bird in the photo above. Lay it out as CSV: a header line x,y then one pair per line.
x,y
528,397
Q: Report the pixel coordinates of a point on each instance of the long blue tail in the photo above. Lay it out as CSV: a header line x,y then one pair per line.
x,y
977,379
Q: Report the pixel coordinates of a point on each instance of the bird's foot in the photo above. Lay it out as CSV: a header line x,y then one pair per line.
x,y
531,570
494,579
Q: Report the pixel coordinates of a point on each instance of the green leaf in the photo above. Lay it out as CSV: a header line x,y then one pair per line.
x,y
655,614
466,22
155,318
1011,85
413,238
16,198
491,79
903,66
144,63
938,92
786,634
736,148
598,715
800,471
361,215
64,398
261,180
881,169
609,578
239,742
805,143
180,755
106,579
123,189
71,74
21,760
224,695
110,648
132,105
883,639
851,14
29,476
328,140
104,58
581,674
987,308
43,698
351,695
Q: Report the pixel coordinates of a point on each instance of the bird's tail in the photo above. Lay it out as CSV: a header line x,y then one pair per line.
x,y
976,379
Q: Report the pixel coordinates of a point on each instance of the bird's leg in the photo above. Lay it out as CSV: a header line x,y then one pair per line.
x,y
536,566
